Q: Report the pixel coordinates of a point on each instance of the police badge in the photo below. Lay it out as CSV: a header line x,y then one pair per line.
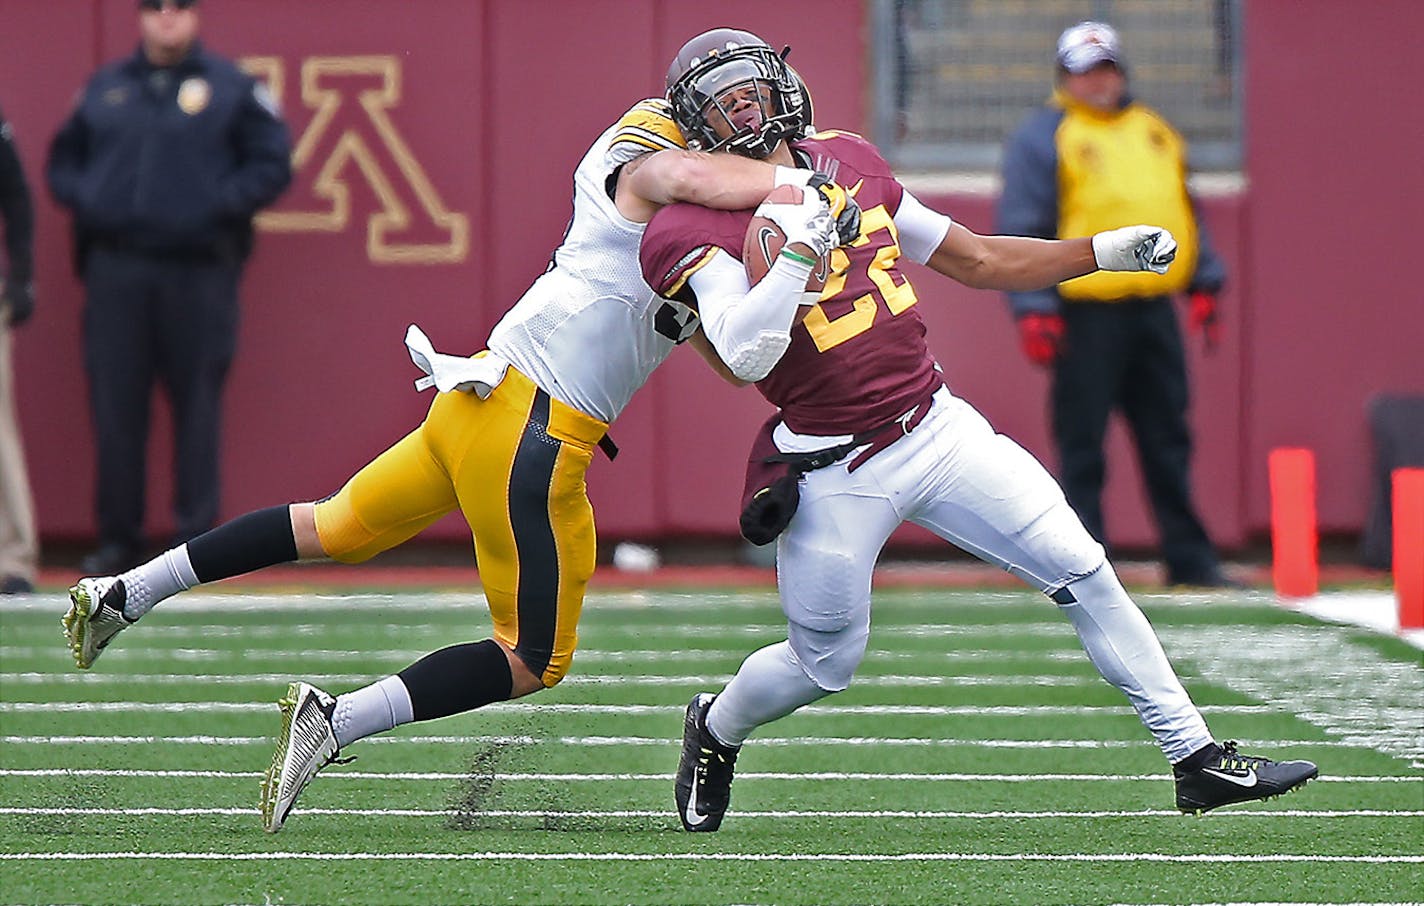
x,y
194,95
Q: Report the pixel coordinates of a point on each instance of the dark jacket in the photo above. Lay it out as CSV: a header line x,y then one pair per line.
x,y
173,159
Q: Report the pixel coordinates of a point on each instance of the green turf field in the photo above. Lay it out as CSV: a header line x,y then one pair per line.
x,y
978,759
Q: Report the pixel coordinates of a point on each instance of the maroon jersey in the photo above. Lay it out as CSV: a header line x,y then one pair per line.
x,y
859,359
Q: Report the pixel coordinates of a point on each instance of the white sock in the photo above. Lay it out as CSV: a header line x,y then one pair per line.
x,y
769,685
162,577
1122,645
376,708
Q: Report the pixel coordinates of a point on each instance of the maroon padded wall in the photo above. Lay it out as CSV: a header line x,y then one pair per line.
x,y
1335,143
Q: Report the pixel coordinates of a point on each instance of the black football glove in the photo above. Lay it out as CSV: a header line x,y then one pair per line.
x,y
843,207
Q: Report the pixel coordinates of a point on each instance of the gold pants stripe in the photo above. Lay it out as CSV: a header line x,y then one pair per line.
x,y
514,465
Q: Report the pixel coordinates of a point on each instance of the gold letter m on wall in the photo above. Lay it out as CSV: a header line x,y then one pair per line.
x,y
411,224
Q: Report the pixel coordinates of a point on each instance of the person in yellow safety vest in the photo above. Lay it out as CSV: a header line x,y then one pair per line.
x,y
1091,159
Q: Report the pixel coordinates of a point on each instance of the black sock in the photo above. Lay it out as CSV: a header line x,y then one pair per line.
x,y
1194,761
252,541
458,679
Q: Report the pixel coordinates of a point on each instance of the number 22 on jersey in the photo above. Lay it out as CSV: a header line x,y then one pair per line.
x,y
897,297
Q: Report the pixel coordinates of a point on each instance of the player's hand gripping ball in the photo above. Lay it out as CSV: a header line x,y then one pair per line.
x,y
764,240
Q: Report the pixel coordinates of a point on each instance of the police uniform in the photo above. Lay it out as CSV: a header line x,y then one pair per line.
x,y
1072,170
164,168
511,454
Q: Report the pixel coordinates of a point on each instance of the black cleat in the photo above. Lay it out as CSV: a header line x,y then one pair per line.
x,y
704,774
1229,777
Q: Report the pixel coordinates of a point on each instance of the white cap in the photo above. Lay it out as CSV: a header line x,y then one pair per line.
x,y
1087,44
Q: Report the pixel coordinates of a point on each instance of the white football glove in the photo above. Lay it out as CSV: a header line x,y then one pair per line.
x,y
1135,248
791,176
809,222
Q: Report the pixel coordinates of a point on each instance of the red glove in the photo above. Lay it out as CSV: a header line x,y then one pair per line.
x,y
1041,336
1202,316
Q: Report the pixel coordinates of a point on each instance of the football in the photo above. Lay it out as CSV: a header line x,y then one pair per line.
x,y
764,240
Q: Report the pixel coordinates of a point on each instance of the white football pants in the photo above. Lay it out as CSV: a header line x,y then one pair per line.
x,y
984,493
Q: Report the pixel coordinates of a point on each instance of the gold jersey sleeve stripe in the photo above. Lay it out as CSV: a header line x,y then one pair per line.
x,y
691,269
648,126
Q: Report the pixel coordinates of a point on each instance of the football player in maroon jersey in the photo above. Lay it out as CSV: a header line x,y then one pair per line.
x,y
868,436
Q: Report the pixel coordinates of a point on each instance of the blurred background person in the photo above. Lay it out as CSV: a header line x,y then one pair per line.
x,y
19,544
165,159
1092,159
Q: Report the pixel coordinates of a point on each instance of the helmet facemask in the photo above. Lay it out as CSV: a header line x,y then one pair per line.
x,y
714,88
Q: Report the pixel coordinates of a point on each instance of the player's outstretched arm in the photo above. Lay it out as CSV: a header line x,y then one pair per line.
x,y
1018,263
1010,262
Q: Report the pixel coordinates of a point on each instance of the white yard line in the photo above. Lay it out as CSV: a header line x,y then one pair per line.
x,y
590,634
668,742
733,654
416,602
238,679
521,708
604,777
1209,858
741,815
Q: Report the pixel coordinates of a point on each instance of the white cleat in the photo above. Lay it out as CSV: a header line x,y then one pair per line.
x,y
306,745
95,616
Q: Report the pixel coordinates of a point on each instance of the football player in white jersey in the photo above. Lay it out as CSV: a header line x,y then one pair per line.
x,y
507,441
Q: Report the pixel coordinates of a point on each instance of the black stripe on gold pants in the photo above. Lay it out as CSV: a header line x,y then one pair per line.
x,y
514,465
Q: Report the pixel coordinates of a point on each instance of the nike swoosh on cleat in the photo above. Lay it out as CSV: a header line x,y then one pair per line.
x,y
690,814
1248,779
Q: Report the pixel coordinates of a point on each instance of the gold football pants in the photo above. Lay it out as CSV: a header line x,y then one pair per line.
x,y
514,465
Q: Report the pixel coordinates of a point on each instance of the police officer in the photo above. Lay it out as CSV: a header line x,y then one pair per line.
x,y
1092,159
164,161
19,548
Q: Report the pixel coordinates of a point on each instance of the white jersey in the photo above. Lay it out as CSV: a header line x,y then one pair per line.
x,y
590,331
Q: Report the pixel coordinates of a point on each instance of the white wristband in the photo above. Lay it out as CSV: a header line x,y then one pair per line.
x,y
791,176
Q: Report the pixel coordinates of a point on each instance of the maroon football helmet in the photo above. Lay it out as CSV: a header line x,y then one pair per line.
x,y
715,63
